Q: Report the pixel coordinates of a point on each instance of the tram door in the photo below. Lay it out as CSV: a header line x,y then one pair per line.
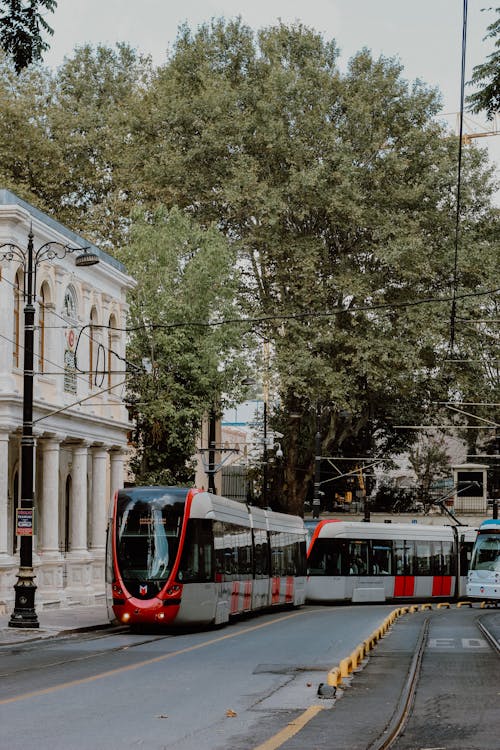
x,y
404,580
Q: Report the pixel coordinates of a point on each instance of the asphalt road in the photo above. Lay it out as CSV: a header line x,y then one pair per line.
x,y
238,687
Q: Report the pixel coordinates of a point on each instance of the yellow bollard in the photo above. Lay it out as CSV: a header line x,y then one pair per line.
x,y
443,605
334,678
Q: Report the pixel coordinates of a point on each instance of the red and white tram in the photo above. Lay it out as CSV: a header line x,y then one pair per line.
x,y
374,562
181,556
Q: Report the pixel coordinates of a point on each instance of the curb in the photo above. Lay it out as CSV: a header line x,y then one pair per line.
x,y
351,662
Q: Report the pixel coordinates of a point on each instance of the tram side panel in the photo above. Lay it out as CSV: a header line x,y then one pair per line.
x,y
378,562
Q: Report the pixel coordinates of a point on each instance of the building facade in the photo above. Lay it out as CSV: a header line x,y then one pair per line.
x,y
80,422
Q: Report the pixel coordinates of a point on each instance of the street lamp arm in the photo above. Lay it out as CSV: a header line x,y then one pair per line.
x,y
12,252
53,249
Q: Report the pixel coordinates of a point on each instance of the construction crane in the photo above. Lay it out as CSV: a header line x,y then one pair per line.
x,y
467,138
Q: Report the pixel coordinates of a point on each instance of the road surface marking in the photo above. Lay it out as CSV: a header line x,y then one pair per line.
x,y
154,660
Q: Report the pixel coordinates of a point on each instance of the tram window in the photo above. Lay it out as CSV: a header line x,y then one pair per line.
x,y
423,558
218,532
261,553
442,559
358,557
403,557
279,553
487,553
197,560
381,557
232,544
245,564
326,558
448,559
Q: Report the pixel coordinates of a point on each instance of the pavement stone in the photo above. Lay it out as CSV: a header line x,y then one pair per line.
x,y
56,621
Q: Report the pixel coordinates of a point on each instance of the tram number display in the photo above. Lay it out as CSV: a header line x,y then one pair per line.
x,y
24,522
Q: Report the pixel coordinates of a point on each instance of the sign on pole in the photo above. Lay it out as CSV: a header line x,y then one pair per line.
x,y
24,522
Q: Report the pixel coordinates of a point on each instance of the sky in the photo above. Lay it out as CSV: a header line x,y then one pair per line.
x,y
425,35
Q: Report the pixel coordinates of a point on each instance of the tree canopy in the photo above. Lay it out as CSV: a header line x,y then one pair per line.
x,y
487,76
332,193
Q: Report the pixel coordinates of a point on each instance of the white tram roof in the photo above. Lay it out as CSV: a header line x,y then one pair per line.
x,y
491,524
207,505
363,530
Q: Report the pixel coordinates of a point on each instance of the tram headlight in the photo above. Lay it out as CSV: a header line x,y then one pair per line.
x,y
160,616
125,617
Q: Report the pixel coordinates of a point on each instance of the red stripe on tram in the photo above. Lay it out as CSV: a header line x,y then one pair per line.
x,y
235,597
247,595
275,591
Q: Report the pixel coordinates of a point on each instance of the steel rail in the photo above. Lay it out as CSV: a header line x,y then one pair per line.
x,y
405,702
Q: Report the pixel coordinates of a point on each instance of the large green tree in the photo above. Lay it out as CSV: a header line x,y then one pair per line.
x,y
339,192
336,191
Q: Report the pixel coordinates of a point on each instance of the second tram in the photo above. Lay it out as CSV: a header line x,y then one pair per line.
x,y
374,562
180,556
483,581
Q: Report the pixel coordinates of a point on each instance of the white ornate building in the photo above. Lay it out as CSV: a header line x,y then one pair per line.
x,y
80,422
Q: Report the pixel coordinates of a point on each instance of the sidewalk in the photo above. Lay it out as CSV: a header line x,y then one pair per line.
x,y
54,622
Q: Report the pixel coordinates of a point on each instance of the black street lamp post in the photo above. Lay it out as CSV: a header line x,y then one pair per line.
x,y
265,458
212,422
24,614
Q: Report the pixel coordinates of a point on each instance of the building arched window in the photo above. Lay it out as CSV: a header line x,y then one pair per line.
x,y
93,344
16,334
112,341
43,300
70,312
69,304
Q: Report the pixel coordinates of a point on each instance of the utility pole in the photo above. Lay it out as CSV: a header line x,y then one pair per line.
x,y
317,467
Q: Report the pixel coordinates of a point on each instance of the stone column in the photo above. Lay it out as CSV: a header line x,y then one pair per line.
x,y
78,514
4,491
49,521
116,478
99,499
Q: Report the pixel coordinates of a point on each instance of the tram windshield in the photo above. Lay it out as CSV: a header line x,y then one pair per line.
x,y
486,553
148,527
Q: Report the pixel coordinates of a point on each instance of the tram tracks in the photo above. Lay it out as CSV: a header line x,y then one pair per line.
x,y
403,709
31,667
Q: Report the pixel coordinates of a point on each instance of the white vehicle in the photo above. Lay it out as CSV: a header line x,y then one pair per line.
x,y
483,581
376,562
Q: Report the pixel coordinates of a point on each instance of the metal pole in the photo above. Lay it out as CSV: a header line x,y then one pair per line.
x,y
265,474
24,614
211,451
317,467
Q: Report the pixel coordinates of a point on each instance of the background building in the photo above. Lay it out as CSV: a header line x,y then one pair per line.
x,y
80,421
